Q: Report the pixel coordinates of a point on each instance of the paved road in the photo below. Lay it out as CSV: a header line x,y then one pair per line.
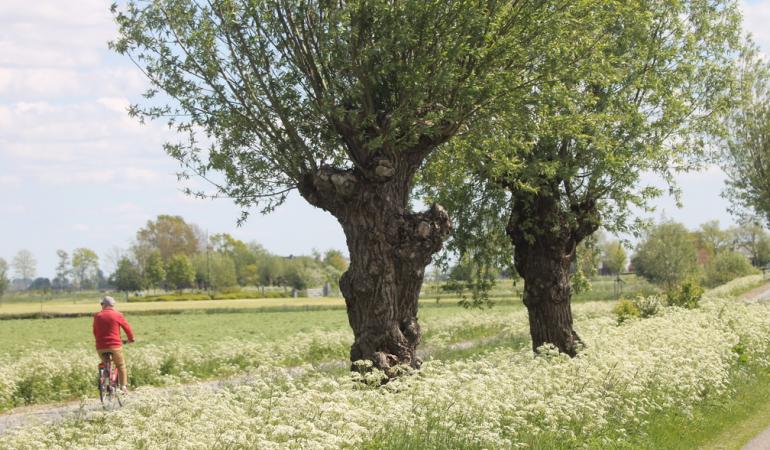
x,y
761,441
760,294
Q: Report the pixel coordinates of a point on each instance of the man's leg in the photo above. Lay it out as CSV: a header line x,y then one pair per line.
x,y
120,363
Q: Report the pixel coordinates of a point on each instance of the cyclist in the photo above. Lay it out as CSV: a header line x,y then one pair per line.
x,y
107,325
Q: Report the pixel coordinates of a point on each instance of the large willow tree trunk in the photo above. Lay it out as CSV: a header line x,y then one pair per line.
x,y
389,249
545,239
545,267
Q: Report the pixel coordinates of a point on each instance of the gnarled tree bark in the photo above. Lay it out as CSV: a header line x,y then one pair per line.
x,y
545,238
389,249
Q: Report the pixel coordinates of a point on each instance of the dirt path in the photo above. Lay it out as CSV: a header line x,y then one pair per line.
x,y
762,440
759,294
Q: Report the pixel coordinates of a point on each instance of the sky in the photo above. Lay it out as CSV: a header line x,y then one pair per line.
x,y
76,171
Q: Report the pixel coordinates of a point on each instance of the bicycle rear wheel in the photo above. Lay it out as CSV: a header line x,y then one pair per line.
x,y
114,396
106,385
101,385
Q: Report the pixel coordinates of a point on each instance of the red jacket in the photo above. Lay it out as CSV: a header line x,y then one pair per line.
x,y
107,325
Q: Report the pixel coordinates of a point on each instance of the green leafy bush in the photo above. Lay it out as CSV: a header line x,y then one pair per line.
x,y
180,297
250,295
626,310
648,306
726,267
169,298
687,295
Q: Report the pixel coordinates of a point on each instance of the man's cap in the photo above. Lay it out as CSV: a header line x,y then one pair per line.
x,y
108,301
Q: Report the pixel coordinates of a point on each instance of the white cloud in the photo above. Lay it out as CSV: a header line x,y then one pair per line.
x,y
93,141
81,228
114,104
29,84
126,209
52,33
10,181
12,209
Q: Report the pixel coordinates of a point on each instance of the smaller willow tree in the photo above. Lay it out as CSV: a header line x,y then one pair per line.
x,y
544,176
746,151
342,101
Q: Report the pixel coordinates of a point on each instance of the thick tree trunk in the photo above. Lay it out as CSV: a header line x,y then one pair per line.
x,y
389,249
547,296
545,238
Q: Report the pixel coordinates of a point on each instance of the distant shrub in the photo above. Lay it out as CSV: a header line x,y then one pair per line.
x,y
169,298
687,295
181,297
250,295
626,310
726,267
232,290
648,306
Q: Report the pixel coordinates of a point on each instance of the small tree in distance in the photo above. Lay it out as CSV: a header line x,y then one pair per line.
x,y
24,265
127,276
85,265
615,257
667,255
154,271
4,281
336,259
63,271
180,273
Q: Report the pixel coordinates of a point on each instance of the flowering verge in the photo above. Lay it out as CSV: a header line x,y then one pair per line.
x,y
43,375
500,399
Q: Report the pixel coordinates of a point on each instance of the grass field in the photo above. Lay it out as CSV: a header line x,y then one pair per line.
x,y
202,329
603,288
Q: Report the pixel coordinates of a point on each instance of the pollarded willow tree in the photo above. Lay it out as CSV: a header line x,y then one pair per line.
x,y
342,101
747,147
543,177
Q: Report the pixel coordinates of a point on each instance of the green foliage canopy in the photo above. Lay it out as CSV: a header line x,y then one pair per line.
x,y
4,281
180,273
667,255
284,88
615,256
85,264
747,147
727,266
215,270
645,98
168,235
127,276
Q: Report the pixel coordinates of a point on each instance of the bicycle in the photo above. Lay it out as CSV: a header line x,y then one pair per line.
x,y
109,388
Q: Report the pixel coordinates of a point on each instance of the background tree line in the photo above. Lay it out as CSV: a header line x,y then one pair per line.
x,y
171,254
